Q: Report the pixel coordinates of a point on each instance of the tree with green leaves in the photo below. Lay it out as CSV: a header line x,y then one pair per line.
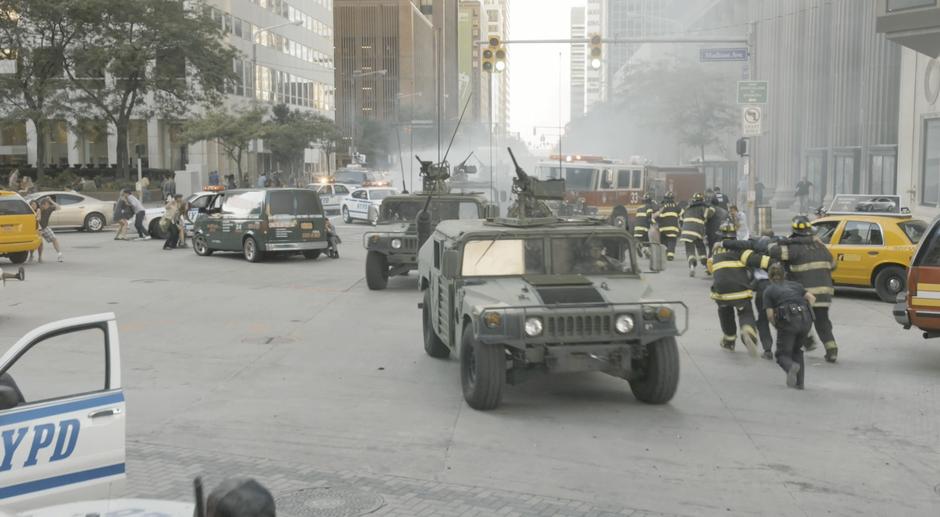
x,y
289,132
35,34
233,129
146,57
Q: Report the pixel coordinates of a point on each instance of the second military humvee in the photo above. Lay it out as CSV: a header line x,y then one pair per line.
x,y
518,296
393,247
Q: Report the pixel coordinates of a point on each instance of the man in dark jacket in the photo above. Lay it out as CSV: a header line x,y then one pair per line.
x,y
788,308
718,217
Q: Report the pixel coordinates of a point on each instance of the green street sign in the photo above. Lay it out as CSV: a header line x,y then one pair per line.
x,y
752,92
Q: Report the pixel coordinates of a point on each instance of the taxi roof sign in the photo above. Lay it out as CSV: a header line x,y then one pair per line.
x,y
868,204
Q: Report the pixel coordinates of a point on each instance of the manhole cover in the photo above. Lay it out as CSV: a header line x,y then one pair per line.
x,y
149,280
328,502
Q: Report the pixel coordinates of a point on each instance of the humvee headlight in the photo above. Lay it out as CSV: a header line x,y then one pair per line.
x,y
396,244
492,319
624,324
533,326
664,314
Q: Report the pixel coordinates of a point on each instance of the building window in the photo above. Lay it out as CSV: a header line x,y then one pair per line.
x,y
930,171
846,173
882,173
816,173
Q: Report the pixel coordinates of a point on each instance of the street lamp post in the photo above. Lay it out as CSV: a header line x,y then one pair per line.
x,y
355,77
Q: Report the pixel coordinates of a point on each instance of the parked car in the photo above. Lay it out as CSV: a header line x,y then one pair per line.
x,y
261,221
331,195
871,249
19,231
919,306
354,177
77,210
197,201
363,204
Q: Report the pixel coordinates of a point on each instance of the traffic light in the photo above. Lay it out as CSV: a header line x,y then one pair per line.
x,y
595,51
494,55
500,59
487,60
741,146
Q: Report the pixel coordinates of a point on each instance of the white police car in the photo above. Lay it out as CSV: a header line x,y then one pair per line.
x,y
196,201
363,204
62,418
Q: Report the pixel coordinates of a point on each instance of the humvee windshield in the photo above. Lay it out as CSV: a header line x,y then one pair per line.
x,y
406,210
589,255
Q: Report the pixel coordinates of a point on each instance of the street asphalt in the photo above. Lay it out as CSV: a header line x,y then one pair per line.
x,y
293,371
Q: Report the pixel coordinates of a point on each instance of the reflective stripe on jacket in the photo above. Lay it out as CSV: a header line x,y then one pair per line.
x,y
668,220
810,264
693,222
731,280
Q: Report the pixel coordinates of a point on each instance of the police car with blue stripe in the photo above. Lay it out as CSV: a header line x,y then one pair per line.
x,y
62,418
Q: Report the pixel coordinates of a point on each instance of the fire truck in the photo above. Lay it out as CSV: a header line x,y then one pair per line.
x,y
614,189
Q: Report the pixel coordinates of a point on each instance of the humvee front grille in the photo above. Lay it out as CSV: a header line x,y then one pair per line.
x,y
409,243
577,326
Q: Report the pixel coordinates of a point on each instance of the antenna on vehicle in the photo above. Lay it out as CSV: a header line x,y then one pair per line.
x,y
200,510
401,161
462,113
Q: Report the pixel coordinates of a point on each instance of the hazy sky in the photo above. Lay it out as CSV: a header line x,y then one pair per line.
x,y
536,72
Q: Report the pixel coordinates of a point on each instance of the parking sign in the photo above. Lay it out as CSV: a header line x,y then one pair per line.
x,y
751,117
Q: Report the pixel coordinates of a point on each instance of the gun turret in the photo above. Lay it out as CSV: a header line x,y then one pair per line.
x,y
532,192
434,176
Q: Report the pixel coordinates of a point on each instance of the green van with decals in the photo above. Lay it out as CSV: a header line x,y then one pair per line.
x,y
260,222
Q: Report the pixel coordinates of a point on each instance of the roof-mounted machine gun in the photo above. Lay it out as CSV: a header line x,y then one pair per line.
x,y
434,176
532,192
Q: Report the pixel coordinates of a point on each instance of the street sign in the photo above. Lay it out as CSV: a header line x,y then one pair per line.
x,y
751,117
723,54
8,66
752,92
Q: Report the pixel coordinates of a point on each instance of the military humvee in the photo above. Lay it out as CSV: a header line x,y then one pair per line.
x,y
512,297
393,248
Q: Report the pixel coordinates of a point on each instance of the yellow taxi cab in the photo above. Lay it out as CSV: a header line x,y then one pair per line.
x,y
872,241
19,230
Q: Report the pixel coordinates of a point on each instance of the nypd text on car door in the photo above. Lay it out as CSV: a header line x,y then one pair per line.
x,y
62,414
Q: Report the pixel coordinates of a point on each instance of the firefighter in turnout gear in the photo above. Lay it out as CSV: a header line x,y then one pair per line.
x,y
644,219
693,230
731,290
810,263
667,220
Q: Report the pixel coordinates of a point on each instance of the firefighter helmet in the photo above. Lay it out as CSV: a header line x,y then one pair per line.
x,y
698,197
669,196
801,226
647,197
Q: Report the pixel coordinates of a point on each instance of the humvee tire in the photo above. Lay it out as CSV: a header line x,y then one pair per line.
x,y
432,344
662,373
482,372
376,270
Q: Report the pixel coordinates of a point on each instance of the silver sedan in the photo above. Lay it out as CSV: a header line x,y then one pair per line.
x,y
77,210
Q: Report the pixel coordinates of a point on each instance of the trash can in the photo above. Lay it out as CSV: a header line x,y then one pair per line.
x,y
765,219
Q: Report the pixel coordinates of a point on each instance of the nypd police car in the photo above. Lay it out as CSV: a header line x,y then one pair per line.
x,y
62,418
363,204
